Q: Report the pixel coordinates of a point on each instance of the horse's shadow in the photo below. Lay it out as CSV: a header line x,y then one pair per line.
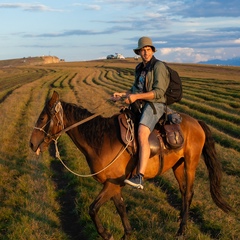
x,y
195,213
69,216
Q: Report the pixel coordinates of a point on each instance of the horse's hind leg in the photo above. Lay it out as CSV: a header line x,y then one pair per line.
x,y
185,176
121,208
179,172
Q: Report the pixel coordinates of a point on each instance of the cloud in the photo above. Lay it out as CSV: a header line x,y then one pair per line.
x,y
184,8
237,41
183,54
208,38
88,6
29,7
153,15
186,51
61,34
76,32
42,46
203,8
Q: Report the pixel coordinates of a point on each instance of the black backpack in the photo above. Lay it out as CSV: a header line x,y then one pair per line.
x,y
174,90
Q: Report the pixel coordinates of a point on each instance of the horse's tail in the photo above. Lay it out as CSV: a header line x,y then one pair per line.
x,y
214,168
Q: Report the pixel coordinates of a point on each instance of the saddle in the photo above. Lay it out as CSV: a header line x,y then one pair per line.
x,y
166,135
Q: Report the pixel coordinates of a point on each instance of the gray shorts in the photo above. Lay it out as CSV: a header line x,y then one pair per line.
x,y
148,117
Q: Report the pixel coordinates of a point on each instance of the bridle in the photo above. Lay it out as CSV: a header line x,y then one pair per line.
x,y
56,112
57,108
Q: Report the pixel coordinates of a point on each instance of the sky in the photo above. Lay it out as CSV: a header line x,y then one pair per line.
x,y
184,31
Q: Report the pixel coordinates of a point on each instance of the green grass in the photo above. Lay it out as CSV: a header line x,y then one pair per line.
x,y
40,199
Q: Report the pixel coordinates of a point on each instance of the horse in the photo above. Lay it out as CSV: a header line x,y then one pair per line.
x,y
98,138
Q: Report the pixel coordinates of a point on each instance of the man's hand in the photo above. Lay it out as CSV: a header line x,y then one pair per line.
x,y
131,98
118,96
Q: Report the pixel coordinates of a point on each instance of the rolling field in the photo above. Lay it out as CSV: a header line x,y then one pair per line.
x,y
40,199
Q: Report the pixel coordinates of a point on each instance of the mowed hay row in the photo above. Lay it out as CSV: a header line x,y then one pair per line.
x,y
42,200
87,92
233,119
227,132
91,90
10,82
208,96
36,208
28,208
106,81
213,103
221,110
200,71
66,79
124,82
216,94
226,90
59,79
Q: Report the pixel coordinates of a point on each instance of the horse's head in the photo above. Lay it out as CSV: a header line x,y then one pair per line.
x,y
49,124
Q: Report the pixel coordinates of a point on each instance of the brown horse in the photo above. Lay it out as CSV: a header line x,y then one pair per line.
x,y
99,140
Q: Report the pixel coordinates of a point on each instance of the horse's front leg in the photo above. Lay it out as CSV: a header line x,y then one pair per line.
x,y
121,208
106,194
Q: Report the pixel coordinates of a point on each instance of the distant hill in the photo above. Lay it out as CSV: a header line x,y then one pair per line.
x,y
228,62
29,61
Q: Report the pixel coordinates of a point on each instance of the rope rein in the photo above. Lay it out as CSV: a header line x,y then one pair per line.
x,y
88,175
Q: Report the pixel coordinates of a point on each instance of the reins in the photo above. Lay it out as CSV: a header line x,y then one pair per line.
x,y
77,124
88,175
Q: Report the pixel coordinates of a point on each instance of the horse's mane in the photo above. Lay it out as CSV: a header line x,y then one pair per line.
x,y
93,131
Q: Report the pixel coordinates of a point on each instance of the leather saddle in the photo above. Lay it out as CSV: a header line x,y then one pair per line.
x,y
167,134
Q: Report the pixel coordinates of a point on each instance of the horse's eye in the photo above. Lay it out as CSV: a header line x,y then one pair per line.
x,y
42,119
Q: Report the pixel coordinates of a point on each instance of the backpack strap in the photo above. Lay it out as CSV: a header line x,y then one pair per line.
x,y
153,108
138,69
153,62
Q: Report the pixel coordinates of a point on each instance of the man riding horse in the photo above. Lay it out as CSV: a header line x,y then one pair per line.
x,y
150,86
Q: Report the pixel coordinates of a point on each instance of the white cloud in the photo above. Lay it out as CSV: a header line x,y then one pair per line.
x,y
93,7
183,54
29,7
165,51
160,42
186,51
153,15
219,51
89,6
237,41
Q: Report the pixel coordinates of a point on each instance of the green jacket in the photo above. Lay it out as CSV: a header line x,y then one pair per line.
x,y
157,80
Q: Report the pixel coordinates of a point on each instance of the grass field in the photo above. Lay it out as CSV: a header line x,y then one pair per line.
x,y
40,199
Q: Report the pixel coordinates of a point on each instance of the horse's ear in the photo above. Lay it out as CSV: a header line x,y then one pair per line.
x,y
54,99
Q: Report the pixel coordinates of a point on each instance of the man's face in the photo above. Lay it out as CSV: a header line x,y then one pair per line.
x,y
146,54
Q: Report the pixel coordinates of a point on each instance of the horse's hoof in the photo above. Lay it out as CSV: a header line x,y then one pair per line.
x,y
126,237
111,238
181,232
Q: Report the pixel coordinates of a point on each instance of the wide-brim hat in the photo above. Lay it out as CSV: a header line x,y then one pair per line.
x,y
144,42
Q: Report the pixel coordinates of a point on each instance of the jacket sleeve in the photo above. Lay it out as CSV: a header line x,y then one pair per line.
x,y
158,81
